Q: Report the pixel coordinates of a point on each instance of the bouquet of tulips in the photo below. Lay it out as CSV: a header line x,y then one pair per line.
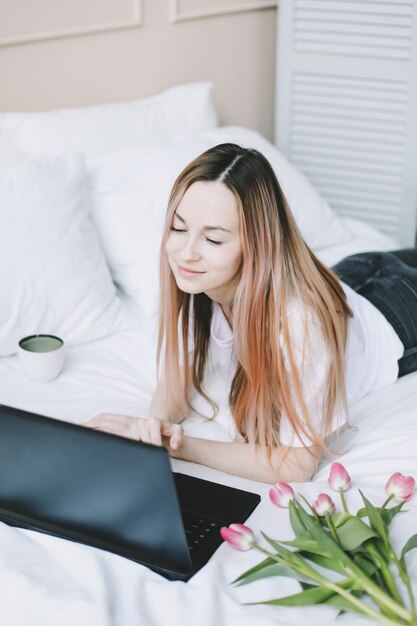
x,y
364,574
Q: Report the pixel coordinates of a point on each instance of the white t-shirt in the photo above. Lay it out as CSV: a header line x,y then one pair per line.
x,y
372,352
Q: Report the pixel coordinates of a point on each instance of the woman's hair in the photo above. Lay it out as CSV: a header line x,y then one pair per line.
x,y
277,266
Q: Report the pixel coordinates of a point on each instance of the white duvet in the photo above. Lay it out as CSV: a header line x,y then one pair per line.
x,y
46,581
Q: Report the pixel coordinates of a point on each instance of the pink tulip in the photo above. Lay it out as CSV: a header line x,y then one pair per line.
x,y
281,495
324,504
239,536
339,479
400,487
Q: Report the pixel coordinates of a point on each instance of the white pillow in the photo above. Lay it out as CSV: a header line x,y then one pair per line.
x,y
53,274
106,127
130,191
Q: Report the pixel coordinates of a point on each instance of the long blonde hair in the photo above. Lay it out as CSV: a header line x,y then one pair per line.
x,y
277,266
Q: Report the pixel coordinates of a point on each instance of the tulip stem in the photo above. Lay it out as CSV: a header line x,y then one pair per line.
x,y
331,527
380,562
387,501
411,596
342,497
402,569
380,597
391,586
318,578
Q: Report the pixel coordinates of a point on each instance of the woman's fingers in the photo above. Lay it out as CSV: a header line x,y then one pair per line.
x,y
148,430
155,427
109,419
113,423
142,431
106,429
174,432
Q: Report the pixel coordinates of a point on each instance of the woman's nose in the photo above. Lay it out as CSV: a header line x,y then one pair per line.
x,y
189,250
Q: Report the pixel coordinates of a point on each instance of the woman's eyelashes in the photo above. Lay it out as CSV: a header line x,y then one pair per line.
x,y
182,230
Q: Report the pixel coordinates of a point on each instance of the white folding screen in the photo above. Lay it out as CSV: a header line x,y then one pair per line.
x,y
346,111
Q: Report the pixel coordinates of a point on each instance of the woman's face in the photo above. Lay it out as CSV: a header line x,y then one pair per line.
x,y
204,245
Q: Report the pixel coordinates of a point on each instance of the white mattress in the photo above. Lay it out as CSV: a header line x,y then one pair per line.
x,y
48,581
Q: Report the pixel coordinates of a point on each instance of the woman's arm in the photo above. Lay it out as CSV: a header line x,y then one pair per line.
x,y
241,459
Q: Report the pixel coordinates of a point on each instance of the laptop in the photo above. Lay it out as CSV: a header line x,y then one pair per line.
x,y
112,493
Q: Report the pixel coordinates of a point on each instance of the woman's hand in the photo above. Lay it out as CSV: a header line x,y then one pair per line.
x,y
148,430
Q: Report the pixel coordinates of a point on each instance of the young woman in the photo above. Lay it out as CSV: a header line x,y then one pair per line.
x,y
240,287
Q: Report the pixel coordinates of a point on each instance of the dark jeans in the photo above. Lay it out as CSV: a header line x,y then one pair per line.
x,y
389,281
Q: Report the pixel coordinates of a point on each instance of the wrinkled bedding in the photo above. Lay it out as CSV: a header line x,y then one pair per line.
x,y
46,581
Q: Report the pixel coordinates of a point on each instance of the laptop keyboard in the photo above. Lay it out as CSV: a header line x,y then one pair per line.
x,y
198,529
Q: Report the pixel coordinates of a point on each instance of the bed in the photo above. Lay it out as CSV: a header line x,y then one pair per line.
x,y
83,194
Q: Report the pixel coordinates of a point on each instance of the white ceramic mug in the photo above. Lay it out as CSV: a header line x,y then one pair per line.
x,y
41,357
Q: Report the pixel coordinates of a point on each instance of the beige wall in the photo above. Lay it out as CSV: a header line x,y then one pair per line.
x,y
65,68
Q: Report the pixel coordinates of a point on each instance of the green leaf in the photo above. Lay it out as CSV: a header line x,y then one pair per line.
x,y
317,595
308,545
379,579
323,561
314,514
296,524
294,560
353,533
375,519
410,545
267,569
275,544
253,570
277,569
307,519
344,604
332,549
389,514
339,519
365,564
291,557
382,550
306,586
361,512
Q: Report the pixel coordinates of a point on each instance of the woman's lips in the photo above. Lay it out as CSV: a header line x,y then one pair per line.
x,y
184,271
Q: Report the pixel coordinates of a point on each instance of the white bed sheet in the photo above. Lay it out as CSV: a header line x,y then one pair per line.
x,y
48,581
